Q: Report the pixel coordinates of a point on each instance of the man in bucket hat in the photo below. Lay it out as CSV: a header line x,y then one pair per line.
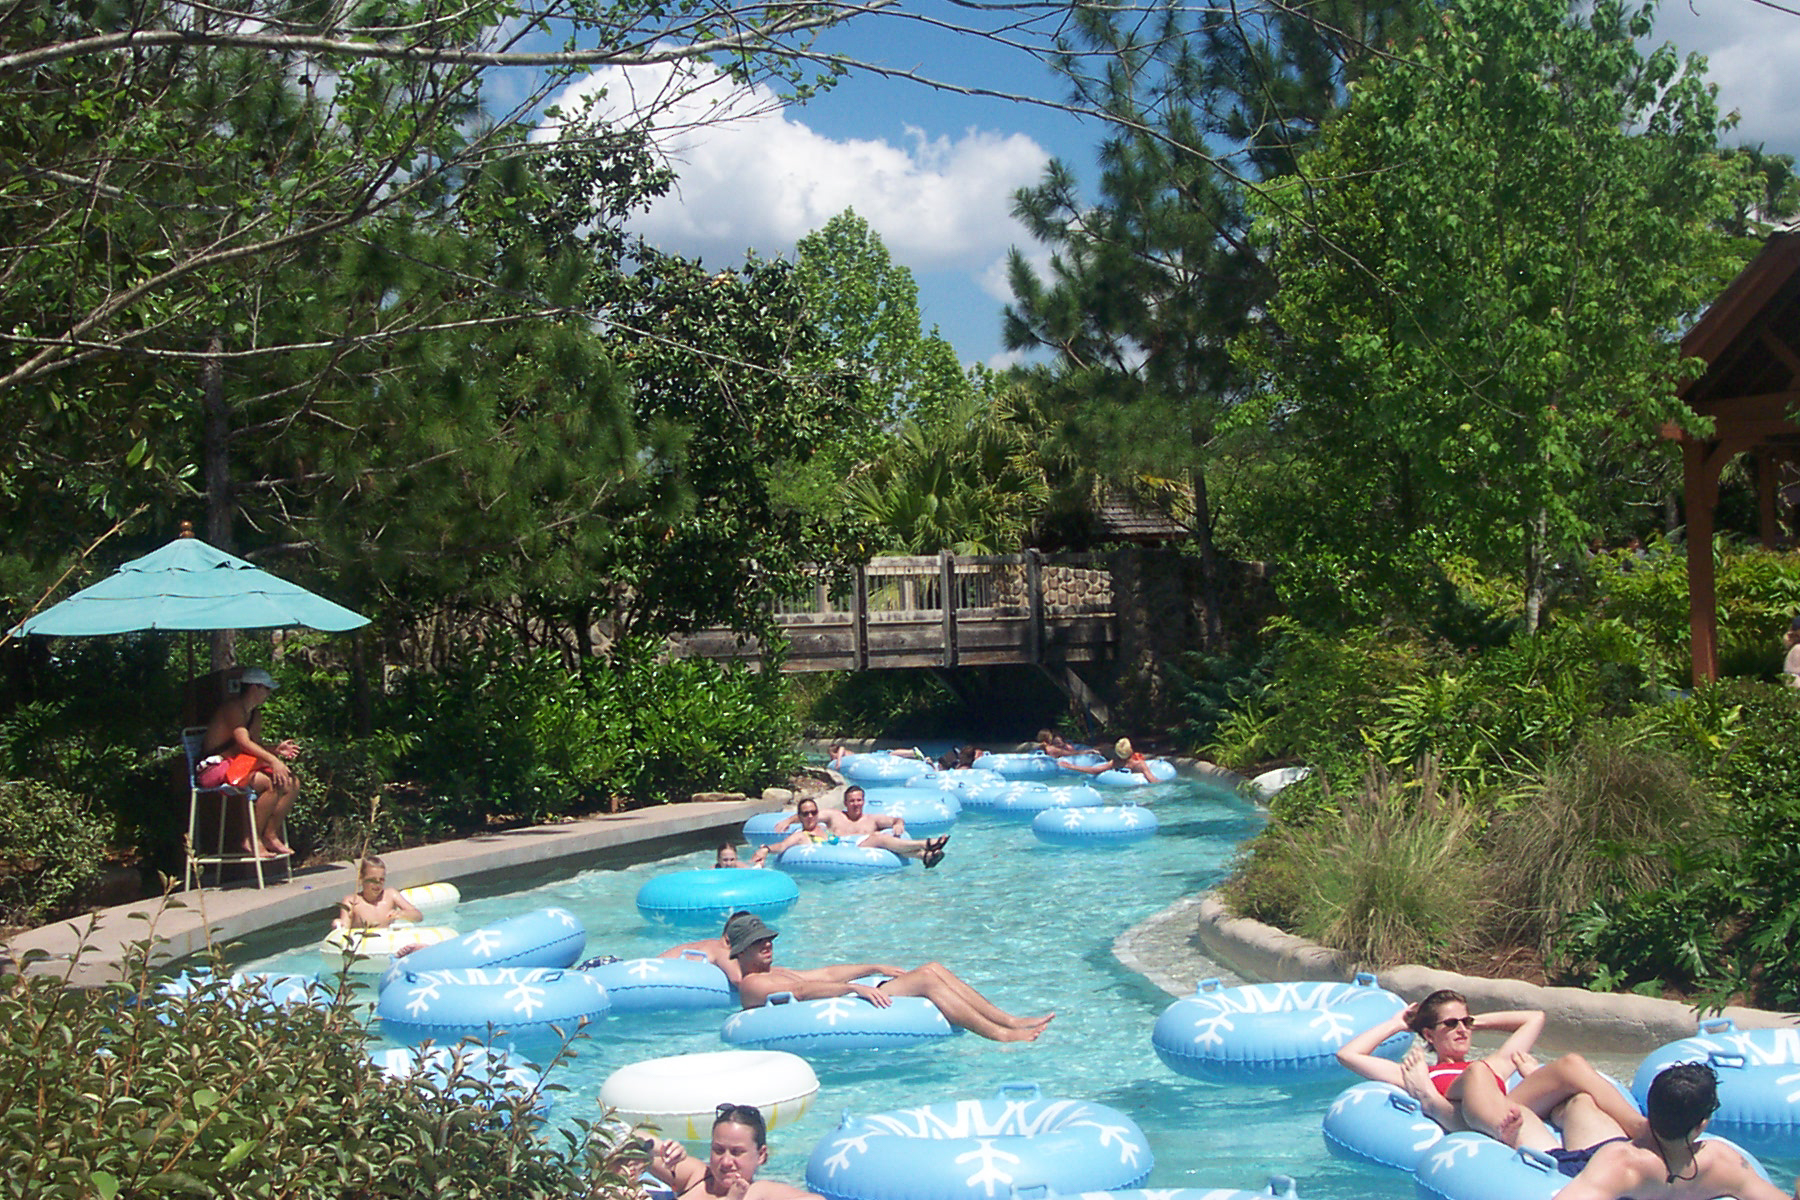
x,y
752,943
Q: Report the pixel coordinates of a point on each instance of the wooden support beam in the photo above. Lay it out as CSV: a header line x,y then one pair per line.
x,y
947,592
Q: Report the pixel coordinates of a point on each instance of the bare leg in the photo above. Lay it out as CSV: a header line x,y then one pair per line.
x,y
963,1006
1584,1124
1488,1110
272,804
904,847
1570,1075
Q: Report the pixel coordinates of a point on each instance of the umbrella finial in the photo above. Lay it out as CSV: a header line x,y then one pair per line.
x,y
187,529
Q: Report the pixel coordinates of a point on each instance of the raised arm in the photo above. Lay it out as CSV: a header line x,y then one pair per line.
x,y
1522,1026
403,907
1358,1054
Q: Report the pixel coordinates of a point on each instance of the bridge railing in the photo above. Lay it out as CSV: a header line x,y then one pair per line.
x,y
941,610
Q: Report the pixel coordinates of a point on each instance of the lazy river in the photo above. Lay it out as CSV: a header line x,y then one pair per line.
x,y
1031,926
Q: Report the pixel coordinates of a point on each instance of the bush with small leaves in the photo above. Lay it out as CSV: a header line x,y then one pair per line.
x,y
121,1091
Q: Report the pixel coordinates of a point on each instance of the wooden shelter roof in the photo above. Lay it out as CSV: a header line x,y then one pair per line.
x,y
1750,340
1127,518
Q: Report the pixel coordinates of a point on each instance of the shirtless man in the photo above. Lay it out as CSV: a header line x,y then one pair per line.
x,y
752,944
881,832
374,905
234,756
1124,758
739,1149
1665,1161
716,951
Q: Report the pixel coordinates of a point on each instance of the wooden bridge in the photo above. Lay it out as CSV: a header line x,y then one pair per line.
x,y
943,611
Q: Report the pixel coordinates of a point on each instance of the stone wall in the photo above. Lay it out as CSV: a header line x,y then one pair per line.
x,y
1159,599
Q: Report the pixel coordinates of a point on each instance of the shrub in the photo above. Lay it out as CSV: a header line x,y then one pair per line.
x,y
1396,878
116,1092
51,842
1598,823
1758,592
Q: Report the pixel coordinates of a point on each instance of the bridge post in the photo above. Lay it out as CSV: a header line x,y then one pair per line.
x,y
947,598
859,619
1034,598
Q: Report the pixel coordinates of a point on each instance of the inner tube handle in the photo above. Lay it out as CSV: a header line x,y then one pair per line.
x,y
1364,979
1538,1159
1730,1060
1403,1102
1209,984
779,998
695,955
1030,1191
1283,1186
1718,1025
1027,1090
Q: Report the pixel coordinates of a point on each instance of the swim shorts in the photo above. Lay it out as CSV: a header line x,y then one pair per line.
x,y
1570,1162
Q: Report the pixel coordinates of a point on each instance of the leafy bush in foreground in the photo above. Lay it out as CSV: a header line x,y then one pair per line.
x,y
117,1092
50,844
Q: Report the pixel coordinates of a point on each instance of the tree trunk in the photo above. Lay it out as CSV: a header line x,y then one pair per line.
x,y
1537,568
215,466
1213,623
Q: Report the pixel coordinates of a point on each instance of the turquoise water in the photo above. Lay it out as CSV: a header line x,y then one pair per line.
x,y
1031,926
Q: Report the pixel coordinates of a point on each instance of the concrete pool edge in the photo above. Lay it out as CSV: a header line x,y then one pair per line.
x,y
92,950
1579,1019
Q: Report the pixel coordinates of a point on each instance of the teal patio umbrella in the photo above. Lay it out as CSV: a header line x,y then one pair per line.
x,y
192,586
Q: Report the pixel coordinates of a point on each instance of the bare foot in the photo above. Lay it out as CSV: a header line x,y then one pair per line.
x,y
1508,1129
253,849
274,849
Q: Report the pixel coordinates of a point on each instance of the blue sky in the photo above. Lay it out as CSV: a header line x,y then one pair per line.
x,y
934,173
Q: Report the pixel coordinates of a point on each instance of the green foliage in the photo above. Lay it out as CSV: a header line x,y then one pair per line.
x,y
51,842
1597,823
863,704
521,735
116,1091
1483,268
1758,593
966,482
1397,879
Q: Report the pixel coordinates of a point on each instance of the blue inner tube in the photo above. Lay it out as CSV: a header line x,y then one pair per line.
x,y
250,991
469,1074
1273,1032
889,794
927,814
1029,799
706,897
874,768
1759,1106
683,984
760,830
514,1004
1021,766
1379,1123
980,1149
835,859
957,779
1160,768
1107,826
549,937
837,1023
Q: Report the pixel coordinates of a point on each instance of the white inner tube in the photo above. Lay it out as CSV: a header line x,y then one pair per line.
x,y
680,1095
372,949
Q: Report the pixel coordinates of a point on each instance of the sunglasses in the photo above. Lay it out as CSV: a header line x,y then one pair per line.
x,y
1453,1022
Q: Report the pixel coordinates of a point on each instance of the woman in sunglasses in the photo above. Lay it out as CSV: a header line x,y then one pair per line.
x,y
739,1149
1463,1092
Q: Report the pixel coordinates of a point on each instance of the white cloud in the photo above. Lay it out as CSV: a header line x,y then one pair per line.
x,y
752,175
1751,51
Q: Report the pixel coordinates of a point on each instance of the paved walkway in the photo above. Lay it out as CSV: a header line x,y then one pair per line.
x,y
92,950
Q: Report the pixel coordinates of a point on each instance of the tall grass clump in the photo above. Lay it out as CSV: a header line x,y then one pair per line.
x,y
1394,877
1596,822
